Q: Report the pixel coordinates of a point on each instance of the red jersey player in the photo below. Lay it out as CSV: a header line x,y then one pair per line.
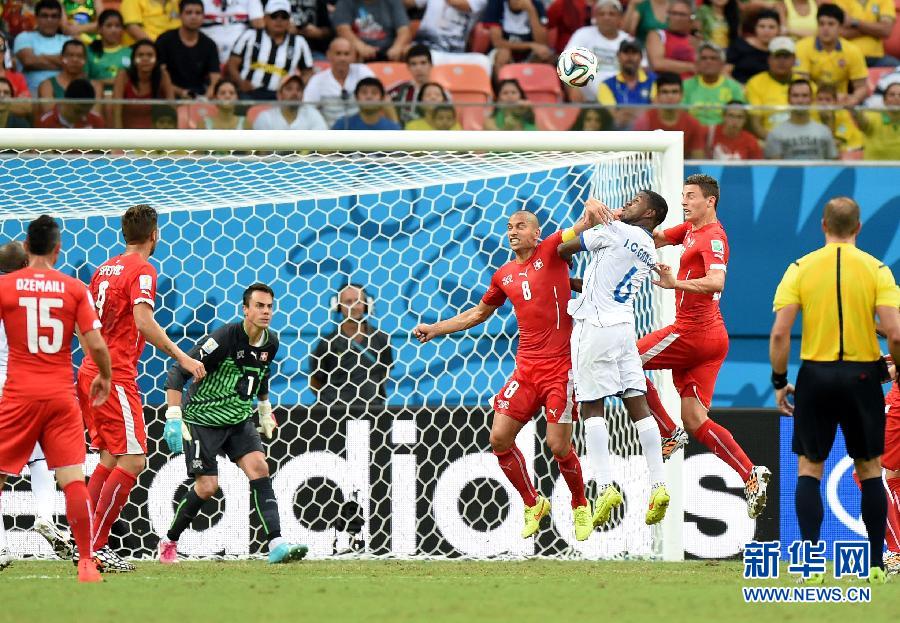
x,y
694,348
537,283
124,289
890,460
42,309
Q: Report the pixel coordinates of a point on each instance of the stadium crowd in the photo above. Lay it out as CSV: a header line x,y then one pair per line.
x,y
744,79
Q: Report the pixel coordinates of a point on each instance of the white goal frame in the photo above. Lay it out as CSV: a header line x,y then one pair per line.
x,y
668,144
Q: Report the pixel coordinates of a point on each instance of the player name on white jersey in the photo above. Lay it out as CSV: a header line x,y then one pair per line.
x,y
40,285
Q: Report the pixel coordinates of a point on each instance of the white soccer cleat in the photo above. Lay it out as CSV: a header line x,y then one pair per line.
x,y
6,558
58,540
671,445
892,562
110,562
755,490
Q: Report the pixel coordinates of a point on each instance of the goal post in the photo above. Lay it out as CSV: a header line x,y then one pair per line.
x,y
417,216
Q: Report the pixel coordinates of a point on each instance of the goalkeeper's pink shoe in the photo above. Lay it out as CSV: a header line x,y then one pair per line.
x,y
168,552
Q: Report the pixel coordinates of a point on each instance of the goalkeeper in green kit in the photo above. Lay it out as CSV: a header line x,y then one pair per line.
x,y
216,420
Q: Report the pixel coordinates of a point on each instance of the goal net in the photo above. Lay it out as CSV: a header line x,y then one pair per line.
x,y
419,220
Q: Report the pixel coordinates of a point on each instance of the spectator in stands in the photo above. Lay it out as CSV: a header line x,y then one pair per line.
x,y
800,138
164,117
867,25
565,17
290,114
710,89
106,54
75,109
669,93
876,100
352,364
225,94
517,32
225,22
7,118
603,39
38,51
645,16
148,19
430,97
719,22
377,29
144,79
514,113
673,49
17,16
190,57
406,94
882,128
369,95
444,118
827,58
261,59
770,88
800,18
749,55
839,121
593,120
331,89
312,20
631,86
73,59
16,79
730,140
445,29
79,19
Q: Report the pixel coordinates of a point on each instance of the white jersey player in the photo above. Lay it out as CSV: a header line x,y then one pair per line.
x,y
605,358
43,485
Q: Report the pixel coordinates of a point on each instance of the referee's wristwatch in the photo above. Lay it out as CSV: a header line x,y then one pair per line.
x,y
779,380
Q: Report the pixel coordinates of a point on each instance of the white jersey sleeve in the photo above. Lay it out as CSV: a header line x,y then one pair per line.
x,y
620,260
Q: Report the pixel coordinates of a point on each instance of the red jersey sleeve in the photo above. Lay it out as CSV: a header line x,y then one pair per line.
x,y
143,286
714,251
676,234
85,313
495,297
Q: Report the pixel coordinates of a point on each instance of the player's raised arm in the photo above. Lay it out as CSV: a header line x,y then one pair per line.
x,y
711,283
460,322
153,333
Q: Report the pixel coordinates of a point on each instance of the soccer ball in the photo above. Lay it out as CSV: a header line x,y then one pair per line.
x,y
577,67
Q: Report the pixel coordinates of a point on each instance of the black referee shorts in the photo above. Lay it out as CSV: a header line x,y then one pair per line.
x,y
208,442
845,393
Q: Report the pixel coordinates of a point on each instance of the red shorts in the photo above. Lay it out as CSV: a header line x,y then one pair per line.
x,y
117,426
539,383
694,359
55,423
891,457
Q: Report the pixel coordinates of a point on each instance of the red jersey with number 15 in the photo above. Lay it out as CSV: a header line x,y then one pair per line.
x,y
40,310
540,292
118,285
705,249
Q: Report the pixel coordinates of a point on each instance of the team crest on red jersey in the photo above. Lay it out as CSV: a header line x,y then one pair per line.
x,y
538,265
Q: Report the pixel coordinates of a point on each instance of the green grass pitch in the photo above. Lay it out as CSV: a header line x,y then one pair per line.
x,y
430,591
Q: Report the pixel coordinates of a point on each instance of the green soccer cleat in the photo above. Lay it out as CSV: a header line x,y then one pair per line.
x,y
606,502
659,502
533,516
287,552
815,579
877,576
584,526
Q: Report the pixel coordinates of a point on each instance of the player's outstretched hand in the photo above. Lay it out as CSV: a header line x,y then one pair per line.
x,y
175,431
100,390
783,399
595,211
424,332
666,278
193,367
267,422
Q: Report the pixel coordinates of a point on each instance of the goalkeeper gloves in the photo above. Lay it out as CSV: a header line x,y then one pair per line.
x,y
267,423
176,430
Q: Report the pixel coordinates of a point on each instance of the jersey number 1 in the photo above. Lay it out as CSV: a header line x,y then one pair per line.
x,y
37,316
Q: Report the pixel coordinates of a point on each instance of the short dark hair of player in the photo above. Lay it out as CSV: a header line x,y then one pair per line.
x,y
185,3
708,185
368,82
658,204
667,78
419,50
831,10
47,5
139,223
799,82
841,216
80,89
257,287
12,257
43,235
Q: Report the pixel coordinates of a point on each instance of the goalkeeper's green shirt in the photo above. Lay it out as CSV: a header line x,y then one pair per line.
x,y
236,371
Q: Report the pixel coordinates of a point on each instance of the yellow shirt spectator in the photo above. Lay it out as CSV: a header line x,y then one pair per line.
x,y
422,124
763,89
868,11
839,66
882,130
846,135
153,17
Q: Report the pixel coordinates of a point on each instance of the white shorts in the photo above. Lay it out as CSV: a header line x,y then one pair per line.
x,y
605,361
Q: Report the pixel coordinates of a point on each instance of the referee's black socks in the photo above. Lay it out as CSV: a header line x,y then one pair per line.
x,y
808,502
874,515
266,506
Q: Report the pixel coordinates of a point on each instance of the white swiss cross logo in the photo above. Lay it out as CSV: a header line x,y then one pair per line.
x,y
538,265
507,280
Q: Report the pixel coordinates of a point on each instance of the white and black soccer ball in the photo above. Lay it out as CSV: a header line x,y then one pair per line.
x,y
577,67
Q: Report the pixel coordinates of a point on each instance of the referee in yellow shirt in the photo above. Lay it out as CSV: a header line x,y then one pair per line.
x,y
839,289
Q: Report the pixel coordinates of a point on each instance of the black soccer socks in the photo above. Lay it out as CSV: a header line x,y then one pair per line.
x,y
262,496
808,502
874,515
188,509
